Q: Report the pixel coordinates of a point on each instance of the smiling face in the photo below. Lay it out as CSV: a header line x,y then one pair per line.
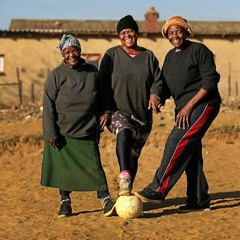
x,y
71,55
128,38
176,36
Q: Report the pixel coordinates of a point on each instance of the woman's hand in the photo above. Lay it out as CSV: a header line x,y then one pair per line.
x,y
154,103
54,143
182,119
103,120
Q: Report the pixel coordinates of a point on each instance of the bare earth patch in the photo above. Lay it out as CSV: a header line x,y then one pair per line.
x,y
29,211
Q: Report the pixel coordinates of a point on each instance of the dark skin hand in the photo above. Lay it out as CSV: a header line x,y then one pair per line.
x,y
54,143
182,118
154,103
103,121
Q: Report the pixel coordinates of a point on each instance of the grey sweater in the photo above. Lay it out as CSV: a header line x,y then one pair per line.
x,y
128,81
71,102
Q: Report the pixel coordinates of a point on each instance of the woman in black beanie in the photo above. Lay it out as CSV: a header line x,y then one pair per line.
x,y
131,75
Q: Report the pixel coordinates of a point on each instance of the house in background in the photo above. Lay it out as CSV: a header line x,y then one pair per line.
x,y
28,50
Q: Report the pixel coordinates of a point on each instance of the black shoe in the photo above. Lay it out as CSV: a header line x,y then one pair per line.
x,y
194,207
149,195
108,207
65,209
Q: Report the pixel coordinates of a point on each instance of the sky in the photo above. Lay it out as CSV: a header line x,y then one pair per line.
x,y
201,10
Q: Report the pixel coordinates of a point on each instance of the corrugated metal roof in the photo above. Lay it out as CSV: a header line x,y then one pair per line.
x,y
109,27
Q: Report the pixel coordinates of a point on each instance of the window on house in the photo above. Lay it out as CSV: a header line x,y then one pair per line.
x,y
92,58
1,63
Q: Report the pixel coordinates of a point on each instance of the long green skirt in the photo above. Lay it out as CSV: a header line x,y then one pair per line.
x,y
74,166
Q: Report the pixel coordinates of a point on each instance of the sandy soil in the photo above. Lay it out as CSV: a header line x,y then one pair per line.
x,y
29,211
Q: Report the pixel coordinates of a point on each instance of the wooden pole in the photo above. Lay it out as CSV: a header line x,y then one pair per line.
x,y
229,79
32,92
19,87
236,86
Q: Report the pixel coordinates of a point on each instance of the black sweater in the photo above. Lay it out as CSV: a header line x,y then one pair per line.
x,y
186,71
130,81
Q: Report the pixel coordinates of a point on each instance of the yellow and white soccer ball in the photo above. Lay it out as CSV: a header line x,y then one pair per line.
x,y
128,207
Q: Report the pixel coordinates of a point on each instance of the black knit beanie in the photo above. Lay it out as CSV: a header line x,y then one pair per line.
x,y
127,22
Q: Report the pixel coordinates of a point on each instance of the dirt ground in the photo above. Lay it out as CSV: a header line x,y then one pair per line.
x,y
29,211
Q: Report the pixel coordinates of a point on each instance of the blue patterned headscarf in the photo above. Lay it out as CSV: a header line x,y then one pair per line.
x,y
67,41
